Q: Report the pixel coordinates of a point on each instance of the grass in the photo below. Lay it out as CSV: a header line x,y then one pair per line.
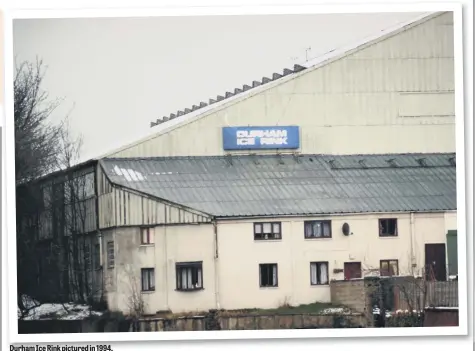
x,y
316,307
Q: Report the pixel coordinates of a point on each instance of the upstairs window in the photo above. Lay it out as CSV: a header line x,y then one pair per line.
x,y
189,276
388,227
146,236
318,229
268,231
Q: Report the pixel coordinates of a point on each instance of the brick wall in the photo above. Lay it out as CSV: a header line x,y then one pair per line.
x,y
350,293
253,322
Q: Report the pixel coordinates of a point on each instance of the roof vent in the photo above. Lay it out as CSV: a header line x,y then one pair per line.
x,y
392,163
363,163
287,72
422,162
298,68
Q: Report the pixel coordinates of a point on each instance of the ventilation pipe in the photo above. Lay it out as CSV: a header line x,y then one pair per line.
x,y
413,244
216,266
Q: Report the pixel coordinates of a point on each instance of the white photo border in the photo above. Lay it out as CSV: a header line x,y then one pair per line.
x,y
8,180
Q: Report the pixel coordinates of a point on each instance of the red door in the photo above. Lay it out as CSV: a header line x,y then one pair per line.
x,y
352,270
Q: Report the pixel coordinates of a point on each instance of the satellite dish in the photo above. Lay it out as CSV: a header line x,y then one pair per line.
x,y
345,229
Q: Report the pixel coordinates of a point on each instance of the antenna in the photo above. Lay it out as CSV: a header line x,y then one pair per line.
x,y
307,50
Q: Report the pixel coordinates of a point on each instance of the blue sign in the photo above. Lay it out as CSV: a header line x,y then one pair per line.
x,y
247,138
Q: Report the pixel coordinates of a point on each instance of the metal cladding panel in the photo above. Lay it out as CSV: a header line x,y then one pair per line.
x,y
290,185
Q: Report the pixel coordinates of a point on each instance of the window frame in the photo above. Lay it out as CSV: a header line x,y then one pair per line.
x,y
180,267
380,228
323,222
272,232
151,274
318,263
388,261
109,258
276,285
149,236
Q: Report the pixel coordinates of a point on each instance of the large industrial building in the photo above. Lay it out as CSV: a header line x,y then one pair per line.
x,y
338,168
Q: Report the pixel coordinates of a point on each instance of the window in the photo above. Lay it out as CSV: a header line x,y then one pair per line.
x,y
319,273
110,254
318,229
146,236
148,279
268,275
388,268
97,256
267,231
189,276
87,257
388,227
47,195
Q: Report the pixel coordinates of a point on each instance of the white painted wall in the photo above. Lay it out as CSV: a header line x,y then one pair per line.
x,y
172,244
240,256
401,88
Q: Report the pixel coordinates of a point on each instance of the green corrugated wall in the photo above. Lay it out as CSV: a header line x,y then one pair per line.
x,y
452,252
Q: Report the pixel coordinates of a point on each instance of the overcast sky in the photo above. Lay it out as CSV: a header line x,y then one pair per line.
x,y
118,74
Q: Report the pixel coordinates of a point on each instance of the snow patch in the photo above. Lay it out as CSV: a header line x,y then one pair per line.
x,y
336,310
67,311
129,174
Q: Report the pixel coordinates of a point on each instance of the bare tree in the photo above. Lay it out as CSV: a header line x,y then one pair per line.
x,y
40,148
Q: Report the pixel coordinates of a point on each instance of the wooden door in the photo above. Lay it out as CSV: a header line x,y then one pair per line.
x,y
352,270
435,262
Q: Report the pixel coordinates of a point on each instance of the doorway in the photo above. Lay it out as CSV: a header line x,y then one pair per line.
x,y
435,262
352,270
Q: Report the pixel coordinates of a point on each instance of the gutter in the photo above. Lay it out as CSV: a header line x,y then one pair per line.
x,y
324,215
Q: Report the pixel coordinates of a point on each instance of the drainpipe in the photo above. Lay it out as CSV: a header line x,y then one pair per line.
x,y
166,266
216,265
413,258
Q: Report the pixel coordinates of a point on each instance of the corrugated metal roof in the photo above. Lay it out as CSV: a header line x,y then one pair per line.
x,y
263,185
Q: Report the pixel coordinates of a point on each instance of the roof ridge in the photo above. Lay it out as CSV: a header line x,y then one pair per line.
x,y
275,76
